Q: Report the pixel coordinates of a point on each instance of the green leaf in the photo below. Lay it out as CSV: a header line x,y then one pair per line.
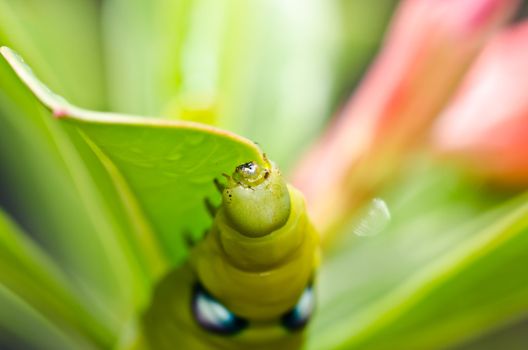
x,y
446,269
66,202
165,167
58,197
511,335
29,329
29,274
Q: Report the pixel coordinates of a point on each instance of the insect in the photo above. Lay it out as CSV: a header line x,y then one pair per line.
x,y
249,283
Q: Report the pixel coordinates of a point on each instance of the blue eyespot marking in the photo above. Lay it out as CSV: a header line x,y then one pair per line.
x,y
299,316
213,316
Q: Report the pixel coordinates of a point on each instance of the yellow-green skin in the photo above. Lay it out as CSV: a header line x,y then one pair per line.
x,y
256,262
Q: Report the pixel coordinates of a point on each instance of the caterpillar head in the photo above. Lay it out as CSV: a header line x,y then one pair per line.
x,y
256,200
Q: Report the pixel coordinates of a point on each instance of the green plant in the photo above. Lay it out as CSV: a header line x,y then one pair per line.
x,y
108,199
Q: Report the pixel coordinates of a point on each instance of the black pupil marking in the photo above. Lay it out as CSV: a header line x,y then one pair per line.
x,y
298,317
213,316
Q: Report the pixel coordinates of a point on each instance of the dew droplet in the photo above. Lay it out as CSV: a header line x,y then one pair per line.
x,y
374,219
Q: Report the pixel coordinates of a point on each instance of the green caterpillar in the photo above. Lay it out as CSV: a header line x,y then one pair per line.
x,y
248,283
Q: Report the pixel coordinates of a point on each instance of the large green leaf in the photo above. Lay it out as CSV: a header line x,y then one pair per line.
x,y
28,273
25,328
449,267
164,168
50,190
57,197
511,336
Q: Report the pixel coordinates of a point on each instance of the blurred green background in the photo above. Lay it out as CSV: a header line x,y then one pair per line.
x,y
275,72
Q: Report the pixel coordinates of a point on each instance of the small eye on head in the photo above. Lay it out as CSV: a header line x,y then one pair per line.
x,y
248,170
301,313
213,316
250,174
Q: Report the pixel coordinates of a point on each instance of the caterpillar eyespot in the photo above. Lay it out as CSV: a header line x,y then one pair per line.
x,y
214,316
298,317
248,283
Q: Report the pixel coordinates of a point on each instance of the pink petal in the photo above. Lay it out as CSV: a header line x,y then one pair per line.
x,y
486,125
427,50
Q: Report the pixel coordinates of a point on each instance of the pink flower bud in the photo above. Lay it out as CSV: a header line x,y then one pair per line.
x,y
428,49
486,125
